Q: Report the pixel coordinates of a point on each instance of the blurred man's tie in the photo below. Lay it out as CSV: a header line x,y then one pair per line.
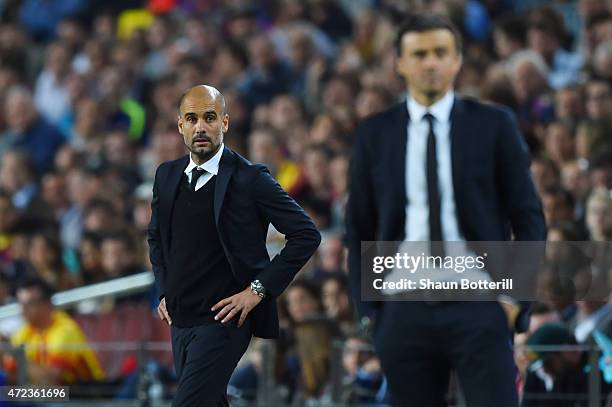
x,y
433,192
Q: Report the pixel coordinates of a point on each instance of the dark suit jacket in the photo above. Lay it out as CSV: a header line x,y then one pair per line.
x,y
247,199
494,193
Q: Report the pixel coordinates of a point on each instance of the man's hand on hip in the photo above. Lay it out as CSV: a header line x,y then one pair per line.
x,y
163,312
242,302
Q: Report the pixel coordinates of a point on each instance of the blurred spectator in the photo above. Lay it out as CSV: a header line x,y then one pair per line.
x,y
335,298
8,218
53,193
51,93
593,314
363,374
509,35
122,111
600,169
338,173
118,153
528,72
45,255
602,59
330,256
120,255
90,259
598,101
315,162
85,132
557,378
265,148
329,17
82,186
558,205
545,174
18,178
541,313
591,137
267,77
314,341
41,18
166,145
370,101
101,216
599,215
547,36
568,103
560,142
27,130
56,348
574,178
142,206
302,300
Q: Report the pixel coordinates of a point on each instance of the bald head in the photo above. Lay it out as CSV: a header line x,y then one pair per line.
x,y
205,91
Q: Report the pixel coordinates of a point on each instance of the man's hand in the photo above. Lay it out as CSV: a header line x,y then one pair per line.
x,y
512,311
242,302
163,312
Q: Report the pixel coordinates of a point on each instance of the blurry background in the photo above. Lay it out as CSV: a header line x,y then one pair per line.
x,y
88,93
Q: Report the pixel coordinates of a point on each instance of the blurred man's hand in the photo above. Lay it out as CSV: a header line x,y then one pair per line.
x,y
512,310
163,312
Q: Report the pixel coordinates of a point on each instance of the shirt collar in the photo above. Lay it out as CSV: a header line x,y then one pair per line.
x,y
441,110
212,165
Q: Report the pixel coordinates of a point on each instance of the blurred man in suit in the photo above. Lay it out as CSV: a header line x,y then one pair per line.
x,y
437,167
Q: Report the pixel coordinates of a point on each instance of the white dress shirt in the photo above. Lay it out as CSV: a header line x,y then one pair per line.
x,y
211,167
417,208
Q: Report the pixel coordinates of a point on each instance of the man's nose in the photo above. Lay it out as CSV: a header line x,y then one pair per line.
x,y
431,61
199,127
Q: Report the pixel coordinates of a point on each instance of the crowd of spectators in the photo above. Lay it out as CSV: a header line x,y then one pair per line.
x,y
88,94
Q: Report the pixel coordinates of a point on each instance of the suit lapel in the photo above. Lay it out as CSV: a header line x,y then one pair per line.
x,y
226,169
460,143
398,163
171,185
398,132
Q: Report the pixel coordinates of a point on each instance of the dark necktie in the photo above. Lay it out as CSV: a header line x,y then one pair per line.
x,y
195,174
433,192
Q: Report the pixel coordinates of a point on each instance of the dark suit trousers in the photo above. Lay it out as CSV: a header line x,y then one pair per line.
x,y
418,345
205,357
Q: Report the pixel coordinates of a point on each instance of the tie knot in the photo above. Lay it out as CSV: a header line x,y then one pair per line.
x,y
195,174
429,117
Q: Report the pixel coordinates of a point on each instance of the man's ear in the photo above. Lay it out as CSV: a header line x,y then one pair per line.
x,y
398,65
225,122
179,125
460,63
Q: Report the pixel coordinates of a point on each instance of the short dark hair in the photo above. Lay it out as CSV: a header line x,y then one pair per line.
x,y
46,291
559,192
308,285
513,26
601,159
338,277
427,22
124,237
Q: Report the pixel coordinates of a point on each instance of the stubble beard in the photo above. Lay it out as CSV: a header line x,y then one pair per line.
x,y
204,154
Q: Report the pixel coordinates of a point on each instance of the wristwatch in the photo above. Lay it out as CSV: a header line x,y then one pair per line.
x,y
258,288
